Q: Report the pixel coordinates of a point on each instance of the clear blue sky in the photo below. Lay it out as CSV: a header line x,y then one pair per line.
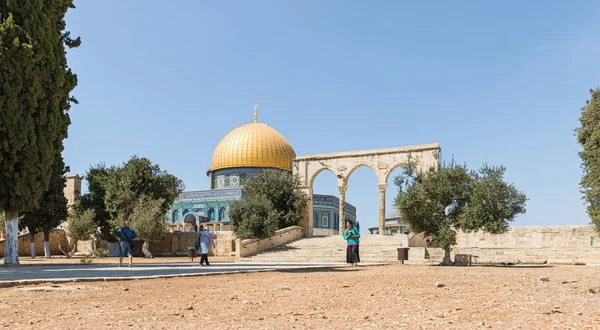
x,y
498,82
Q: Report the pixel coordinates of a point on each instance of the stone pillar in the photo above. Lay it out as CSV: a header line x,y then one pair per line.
x,y
382,188
72,188
342,224
307,221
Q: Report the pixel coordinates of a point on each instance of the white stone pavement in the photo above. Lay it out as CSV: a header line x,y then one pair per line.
x,y
10,276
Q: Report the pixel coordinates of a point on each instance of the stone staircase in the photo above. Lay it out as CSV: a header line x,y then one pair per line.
x,y
373,248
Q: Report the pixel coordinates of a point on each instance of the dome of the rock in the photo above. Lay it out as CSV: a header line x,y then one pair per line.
x,y
253,145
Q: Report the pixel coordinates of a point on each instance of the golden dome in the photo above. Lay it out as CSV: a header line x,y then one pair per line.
x,y
253,145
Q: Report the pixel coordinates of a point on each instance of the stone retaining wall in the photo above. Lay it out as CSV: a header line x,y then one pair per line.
x,y
176,244
554,244
283,236
56,237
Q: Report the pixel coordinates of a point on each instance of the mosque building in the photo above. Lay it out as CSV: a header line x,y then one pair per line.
x,y
239,156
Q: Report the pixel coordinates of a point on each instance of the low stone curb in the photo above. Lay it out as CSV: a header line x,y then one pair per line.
x,y
84,264
8,284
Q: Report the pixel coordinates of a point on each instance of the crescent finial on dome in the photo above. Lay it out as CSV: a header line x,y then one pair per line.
x,y
255,112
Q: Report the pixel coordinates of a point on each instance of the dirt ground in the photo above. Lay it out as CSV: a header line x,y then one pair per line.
x,y
395,296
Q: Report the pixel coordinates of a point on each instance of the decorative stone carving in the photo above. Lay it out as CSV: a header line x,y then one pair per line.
x,y
342,168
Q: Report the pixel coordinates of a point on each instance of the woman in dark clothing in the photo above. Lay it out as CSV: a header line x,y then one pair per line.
x,y
352,235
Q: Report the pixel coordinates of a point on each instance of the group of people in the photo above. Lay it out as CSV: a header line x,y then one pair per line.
x,y
126,235
204,241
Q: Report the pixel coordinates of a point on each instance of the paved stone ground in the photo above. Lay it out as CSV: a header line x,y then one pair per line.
x,y
62,260
61,273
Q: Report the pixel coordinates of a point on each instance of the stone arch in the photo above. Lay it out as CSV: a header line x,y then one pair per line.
x,y
316,174
343,164
392,169
351,171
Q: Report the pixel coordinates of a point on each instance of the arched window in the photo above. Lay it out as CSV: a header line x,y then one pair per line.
x,y
325,220
175,216
336,221
211,214
185,211
189,219
222,214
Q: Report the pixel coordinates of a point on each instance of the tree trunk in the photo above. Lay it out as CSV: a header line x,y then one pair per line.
x,y
93,245
70,251
32,244
11,244
447,261
47,243
146,251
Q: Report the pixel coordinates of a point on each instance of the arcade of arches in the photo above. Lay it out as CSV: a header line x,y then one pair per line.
x,y
343,164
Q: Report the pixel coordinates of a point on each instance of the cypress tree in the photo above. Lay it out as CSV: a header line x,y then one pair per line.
x,y
52,209
35,86
588,135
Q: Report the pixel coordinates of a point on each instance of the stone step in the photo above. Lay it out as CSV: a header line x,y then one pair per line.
x,y
373,248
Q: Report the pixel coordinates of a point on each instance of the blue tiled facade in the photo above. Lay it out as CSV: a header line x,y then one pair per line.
x,y
193,207
203,206
232,177
326,212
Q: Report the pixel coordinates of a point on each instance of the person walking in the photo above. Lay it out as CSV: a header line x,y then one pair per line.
x,y
352,235
126,236
203,244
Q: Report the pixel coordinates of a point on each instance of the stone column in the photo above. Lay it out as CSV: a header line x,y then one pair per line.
x,y
342,224
382,188
307,221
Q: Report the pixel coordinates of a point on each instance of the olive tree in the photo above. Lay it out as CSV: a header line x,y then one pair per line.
x,y
438,203
272,193
81,227
147,219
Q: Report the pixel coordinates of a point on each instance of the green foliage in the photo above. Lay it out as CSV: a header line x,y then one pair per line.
x,y
281,189
53,206
82,225
136,178
2,221
100,253
437,203
492,202
120,193
284,198
96,177
35,83
89,258
588,135
254,217
147,219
